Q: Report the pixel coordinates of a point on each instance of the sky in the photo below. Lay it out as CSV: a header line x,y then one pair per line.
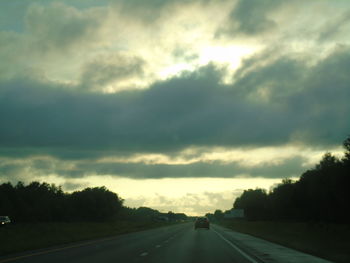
x,y
177,105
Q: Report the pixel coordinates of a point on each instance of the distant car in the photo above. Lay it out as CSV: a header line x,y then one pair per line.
x,y
4,220
201,222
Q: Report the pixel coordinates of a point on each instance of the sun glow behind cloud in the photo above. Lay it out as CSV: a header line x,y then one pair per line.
x,y
230,55
177,191
174,70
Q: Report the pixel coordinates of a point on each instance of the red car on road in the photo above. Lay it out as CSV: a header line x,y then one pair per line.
x,y
201,222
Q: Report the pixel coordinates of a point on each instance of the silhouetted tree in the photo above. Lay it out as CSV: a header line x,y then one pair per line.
x,y
38,202
8,199
346,159
95,204
320,194
42,202
218,214
282,201
254,203
210,216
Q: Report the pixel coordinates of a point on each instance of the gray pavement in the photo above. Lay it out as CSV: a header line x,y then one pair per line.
x,y
171,244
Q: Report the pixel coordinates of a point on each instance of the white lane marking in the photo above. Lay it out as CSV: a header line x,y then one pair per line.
x,y
144,254
237,248
158,246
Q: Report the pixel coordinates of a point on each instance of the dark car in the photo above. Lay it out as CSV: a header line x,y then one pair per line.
x,y
4,220
201,222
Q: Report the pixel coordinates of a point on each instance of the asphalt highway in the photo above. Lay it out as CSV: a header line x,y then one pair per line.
x,y
175,243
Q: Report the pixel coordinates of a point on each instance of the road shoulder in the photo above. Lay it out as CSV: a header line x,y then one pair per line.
x,y
266,251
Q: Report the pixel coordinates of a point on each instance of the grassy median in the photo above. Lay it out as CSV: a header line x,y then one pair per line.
x,y
22,237
328,241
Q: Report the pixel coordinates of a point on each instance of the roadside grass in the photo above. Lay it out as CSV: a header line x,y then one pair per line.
x,y
328,241
23,237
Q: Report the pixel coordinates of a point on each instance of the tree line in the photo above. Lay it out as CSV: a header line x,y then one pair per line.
x,y
43,202
321,194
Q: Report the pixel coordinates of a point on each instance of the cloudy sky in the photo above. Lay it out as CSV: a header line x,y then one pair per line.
x,y
173,104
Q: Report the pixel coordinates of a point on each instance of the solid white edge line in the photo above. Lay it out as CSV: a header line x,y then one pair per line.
x,y
237,248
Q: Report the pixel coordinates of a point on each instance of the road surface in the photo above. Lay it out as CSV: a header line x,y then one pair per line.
x,y
175,243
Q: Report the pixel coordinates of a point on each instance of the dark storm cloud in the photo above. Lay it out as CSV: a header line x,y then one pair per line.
x,y
335,26
190,110
151,10
60,27
251,17
288,168
10,170
12,12
106,70
306,104
280,78
313,98
285,168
